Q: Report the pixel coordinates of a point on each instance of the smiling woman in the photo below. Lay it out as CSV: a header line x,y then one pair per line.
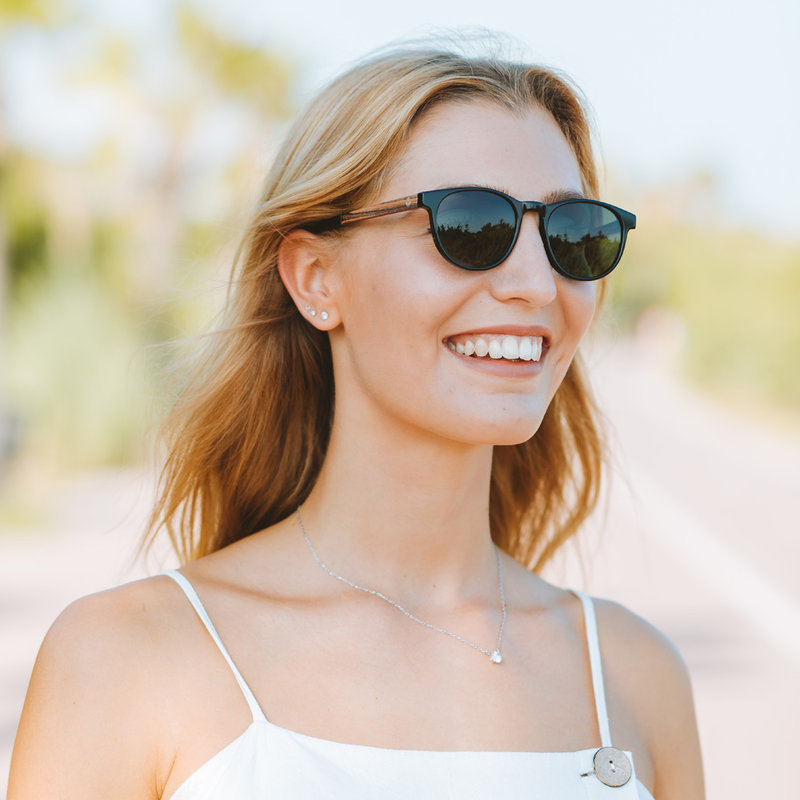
x,y
360,613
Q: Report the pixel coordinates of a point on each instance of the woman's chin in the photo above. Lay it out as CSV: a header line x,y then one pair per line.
x,y
501,433
518,438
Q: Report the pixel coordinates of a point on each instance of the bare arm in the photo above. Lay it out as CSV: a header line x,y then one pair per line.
x,y
90,724
650,672
676,744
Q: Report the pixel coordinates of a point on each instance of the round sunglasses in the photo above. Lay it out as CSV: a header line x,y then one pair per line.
x,y
476,228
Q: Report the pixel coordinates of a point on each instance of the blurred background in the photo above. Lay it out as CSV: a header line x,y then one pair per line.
x,y
133,138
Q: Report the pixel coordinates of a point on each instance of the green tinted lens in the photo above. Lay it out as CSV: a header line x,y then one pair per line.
x,y
585,239
475,228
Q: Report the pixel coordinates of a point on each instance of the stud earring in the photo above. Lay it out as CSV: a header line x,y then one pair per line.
x,y
311,311
323,315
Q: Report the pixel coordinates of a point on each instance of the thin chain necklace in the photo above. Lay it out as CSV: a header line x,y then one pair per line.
x,y
495,656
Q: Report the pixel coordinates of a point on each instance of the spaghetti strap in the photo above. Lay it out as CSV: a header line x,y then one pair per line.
x,y
593,642
191,594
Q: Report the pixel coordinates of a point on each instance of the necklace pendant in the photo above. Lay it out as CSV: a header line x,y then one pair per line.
x,y
496,657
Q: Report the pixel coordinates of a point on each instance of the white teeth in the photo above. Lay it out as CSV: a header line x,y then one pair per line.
x,y
511,348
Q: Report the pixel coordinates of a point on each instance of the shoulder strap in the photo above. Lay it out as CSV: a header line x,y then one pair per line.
x,y
191,594
593,642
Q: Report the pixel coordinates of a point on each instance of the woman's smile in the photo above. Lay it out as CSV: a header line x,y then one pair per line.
x,y
509,351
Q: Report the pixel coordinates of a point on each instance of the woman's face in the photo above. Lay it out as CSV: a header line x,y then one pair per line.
x,y
407,313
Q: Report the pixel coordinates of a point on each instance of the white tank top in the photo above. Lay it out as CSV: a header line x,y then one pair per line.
x,y
268,761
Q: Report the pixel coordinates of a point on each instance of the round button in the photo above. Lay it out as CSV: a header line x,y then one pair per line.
x,y
612,766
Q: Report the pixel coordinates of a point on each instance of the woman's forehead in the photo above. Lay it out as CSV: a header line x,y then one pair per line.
x,y
476,142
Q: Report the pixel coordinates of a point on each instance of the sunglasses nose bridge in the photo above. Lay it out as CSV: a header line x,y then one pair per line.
x,y
535,207
531,205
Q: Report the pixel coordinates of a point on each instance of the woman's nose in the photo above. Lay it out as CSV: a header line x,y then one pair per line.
x,y
526,274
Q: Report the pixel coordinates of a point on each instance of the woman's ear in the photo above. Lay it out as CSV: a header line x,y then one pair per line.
x,y
304,264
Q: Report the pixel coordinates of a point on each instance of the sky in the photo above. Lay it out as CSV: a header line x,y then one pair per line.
x,y
677,87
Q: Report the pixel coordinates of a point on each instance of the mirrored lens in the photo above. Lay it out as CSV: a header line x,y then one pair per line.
x,y
475,228
585,238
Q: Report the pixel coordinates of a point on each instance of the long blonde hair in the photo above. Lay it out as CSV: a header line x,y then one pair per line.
x,y
249,432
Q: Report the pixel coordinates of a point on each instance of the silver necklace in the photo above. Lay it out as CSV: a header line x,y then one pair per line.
x,y
495,656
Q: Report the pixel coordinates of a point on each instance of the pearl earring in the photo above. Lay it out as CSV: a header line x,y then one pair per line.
x,y
323,315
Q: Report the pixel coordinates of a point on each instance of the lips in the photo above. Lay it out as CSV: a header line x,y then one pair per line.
x,y
497,346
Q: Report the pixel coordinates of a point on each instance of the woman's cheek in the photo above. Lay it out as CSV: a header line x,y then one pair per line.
x,y
580,307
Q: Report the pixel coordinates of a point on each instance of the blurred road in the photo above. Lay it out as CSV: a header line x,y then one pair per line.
x,y
699,535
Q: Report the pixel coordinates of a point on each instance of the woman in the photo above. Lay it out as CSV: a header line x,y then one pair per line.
x,y
365,621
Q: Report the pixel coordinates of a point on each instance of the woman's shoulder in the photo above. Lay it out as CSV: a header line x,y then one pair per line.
x,y
634,647
618,621
115,648
106,658
634,652
126,623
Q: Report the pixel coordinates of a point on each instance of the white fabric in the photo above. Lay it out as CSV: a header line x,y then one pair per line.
x,y
268,761
595,663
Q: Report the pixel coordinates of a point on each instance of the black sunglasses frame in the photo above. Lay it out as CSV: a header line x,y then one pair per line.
x,y
431,201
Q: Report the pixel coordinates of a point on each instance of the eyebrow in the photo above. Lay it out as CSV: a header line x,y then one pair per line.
x,y
562,194
556,196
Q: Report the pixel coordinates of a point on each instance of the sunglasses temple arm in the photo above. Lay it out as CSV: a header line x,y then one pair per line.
x,y
381,210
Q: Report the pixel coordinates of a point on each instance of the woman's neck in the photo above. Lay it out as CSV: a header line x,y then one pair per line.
x,y
404,512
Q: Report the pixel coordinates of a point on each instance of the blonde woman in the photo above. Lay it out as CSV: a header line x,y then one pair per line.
x,y
389,437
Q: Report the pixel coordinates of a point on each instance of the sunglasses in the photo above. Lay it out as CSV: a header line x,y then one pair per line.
x,y
476,228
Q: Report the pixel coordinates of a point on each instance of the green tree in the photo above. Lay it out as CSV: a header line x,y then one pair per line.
x,y
14,14
102,238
